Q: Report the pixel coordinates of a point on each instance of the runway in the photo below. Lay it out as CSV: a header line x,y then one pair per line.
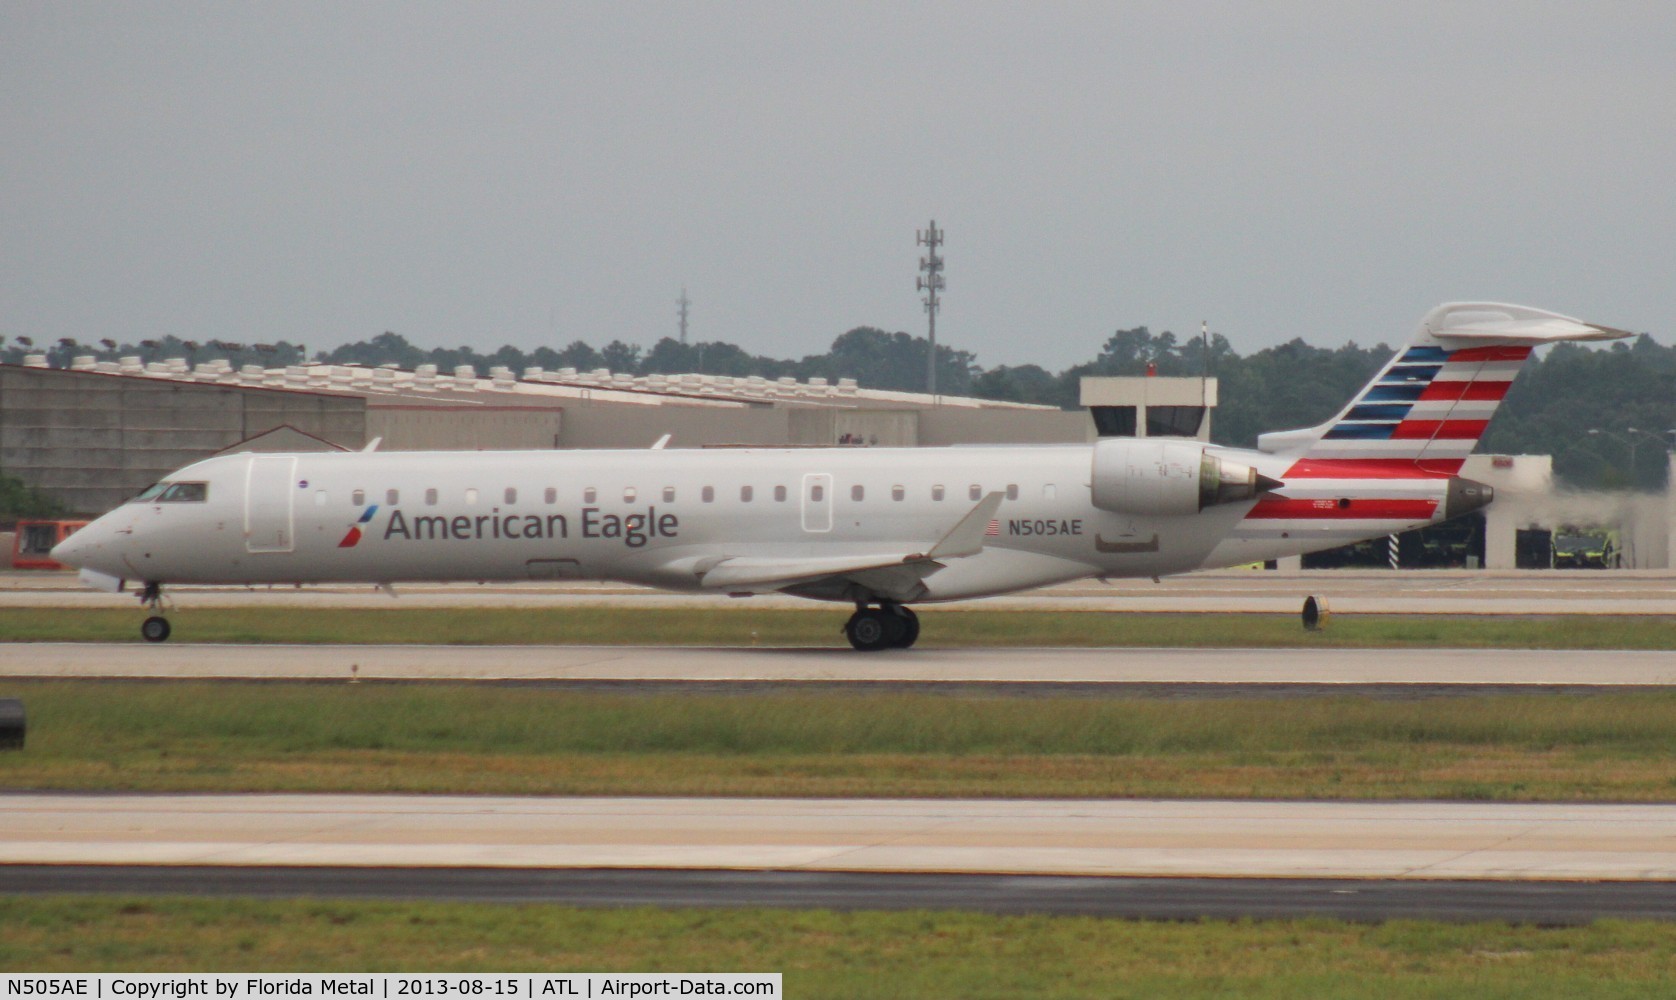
x,y
1442,668
1137,838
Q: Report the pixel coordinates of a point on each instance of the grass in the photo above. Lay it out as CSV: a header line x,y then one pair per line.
x,y
462,738
828,954
820,627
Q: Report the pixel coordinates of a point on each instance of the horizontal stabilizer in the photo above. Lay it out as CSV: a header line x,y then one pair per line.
x,y
1498,323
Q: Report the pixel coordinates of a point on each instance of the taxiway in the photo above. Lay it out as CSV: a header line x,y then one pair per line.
x,y
1361,667
1414,840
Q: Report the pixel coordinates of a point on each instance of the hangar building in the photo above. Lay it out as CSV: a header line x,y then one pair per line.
x,y
97,433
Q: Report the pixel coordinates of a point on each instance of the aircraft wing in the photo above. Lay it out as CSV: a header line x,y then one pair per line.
x,y
895,574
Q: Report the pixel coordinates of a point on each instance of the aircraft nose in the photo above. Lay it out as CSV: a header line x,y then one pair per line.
x,y
88,547
71,551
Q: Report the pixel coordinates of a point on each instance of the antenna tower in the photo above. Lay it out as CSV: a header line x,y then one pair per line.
x,y
931,283
682,303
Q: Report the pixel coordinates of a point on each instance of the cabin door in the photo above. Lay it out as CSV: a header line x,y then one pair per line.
x,y
269,492
817,501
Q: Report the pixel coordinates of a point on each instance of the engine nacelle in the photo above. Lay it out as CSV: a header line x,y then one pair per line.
x,y
1141,476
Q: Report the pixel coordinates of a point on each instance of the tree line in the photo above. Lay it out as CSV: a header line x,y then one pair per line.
x,y
1552,408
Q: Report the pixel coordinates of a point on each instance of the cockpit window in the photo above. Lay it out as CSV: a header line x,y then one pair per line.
x,y
185,493
150,492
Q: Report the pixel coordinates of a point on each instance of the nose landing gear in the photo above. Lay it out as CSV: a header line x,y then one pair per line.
x,y
155,628
889,626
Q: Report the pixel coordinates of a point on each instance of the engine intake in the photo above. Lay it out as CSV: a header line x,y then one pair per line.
x,y
1138,476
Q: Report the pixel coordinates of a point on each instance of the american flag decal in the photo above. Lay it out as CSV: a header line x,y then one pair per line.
x,y
993,529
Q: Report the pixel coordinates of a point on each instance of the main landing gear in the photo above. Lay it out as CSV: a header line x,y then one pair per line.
x,y
156,627
889,626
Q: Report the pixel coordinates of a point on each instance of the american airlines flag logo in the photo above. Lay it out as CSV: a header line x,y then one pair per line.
x,y
993,529
354,535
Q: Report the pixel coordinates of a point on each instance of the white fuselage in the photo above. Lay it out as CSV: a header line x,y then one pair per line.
x,y
661,518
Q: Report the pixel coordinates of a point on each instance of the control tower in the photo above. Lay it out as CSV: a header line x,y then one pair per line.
x,y
1150,406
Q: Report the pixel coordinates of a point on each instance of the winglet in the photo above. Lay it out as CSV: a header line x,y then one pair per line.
x,y
661,443
966,538
373,444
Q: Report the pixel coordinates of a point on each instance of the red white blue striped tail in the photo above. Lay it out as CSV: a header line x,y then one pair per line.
x,y
1423,414
1391,459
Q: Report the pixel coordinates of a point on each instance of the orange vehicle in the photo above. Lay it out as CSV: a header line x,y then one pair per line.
x,y
35,539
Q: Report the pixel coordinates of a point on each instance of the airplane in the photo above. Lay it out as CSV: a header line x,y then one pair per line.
x,y
882,529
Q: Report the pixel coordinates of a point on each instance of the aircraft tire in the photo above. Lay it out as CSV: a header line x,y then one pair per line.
x,y
155,628
869,629
910,628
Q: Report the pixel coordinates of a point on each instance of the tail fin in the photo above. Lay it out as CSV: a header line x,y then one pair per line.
x,y
1425,411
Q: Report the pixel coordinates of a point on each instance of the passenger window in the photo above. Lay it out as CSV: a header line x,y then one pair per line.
x,y
471,497
897,493
669,494
185,493
858,492
779,494
937,492
430,497
1012,491
511,494
708,494
817,493
551,495
358,498
590,495
392,497
745,494
976,492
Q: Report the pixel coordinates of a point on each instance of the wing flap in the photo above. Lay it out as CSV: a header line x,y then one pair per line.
x,y
749,571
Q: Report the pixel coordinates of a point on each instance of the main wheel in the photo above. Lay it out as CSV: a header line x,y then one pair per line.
x,y
155,628
910,628
870,629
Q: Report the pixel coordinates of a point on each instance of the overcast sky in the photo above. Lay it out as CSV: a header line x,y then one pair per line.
x,y
492,173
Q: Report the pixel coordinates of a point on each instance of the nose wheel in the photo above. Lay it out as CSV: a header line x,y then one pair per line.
x,y
155,628
891,626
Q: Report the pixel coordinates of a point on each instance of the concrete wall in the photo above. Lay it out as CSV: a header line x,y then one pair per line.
x,y
873,428
91,441
1670,510
607,425
462,428
958,425
620,425
1521,482
1526,498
